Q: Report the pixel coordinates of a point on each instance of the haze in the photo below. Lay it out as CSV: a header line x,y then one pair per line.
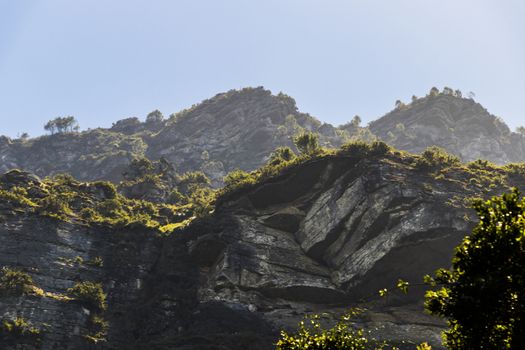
x,y
103,61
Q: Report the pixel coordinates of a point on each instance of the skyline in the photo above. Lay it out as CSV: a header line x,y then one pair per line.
x,y
104,62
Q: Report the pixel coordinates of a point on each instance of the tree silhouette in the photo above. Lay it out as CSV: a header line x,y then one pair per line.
x,y
482,295
62,125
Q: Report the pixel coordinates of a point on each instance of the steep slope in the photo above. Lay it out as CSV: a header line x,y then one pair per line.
x,y
459,125
237,129
321,236
240,129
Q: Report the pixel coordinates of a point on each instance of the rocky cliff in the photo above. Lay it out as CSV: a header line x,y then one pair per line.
x,y
322,235
237,129
240,129
459,125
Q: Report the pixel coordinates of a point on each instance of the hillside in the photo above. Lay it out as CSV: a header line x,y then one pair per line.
x,y
459,125
318,234
237,129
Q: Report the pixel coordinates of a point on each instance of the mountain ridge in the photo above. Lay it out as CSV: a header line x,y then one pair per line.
x,y
239,129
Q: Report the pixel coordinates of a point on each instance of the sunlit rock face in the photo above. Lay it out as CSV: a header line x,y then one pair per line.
x,y
330,234
461,126
240,129
237,129
321,237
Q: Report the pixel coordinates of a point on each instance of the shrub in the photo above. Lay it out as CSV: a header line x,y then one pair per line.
x,y
15,282
363,149
109,189
89,294
138,168
56,205
201,200
312,335
17,196
238,178
17,328
436,157
280,155
481,296
481,164
175,197
155,117
189,179
98,328
307,142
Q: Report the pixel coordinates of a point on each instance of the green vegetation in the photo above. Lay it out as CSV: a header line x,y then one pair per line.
x,y
17,197
281,155
307,142
356,121
97,203
16,328
98,328
158,182
155,117
345,335
96,262
238,178
89,294
481,296
436,157
284,158
62,125
15,282
362,149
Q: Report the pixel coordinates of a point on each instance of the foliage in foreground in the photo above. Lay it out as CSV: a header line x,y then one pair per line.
x,y
343,335
483,295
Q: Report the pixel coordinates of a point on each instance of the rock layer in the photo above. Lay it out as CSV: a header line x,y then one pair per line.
x,y
321,237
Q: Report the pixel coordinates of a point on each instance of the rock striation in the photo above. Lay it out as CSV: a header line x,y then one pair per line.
x,y
240,128
237,129
459,125
322,236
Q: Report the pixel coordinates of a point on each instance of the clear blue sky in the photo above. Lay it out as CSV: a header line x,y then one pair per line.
x,y
103,60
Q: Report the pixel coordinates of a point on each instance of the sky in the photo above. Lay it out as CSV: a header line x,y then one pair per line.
x,y
102,61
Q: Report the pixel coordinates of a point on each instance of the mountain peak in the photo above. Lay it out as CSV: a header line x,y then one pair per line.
x,y
460,125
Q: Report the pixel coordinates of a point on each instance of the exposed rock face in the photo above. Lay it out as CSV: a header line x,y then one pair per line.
x,y
238,129
461,126
320,237
329,234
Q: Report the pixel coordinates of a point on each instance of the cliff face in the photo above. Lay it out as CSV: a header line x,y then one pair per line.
x,y
461,126
320,237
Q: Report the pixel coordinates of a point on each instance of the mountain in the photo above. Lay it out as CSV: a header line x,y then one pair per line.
x,y
459,125
237,129
163,261
319,234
